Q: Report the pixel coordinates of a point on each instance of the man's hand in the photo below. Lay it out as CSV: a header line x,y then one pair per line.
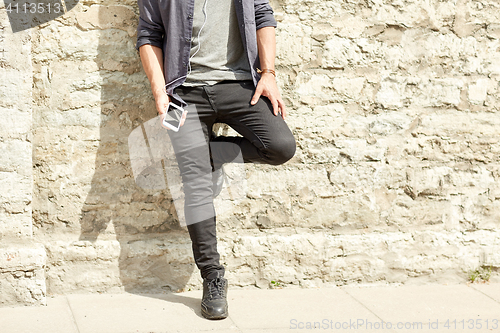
x,y
162,100
266,43
267,87
152,62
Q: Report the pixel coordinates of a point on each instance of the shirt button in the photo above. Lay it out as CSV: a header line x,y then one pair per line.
x,y
188,39
190,16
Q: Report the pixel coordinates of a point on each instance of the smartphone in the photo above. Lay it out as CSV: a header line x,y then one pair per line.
x,y
173,116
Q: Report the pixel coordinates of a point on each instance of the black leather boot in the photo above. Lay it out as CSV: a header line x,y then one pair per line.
x,y
214,301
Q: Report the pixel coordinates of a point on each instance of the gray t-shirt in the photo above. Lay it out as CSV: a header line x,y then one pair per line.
x,y
221,55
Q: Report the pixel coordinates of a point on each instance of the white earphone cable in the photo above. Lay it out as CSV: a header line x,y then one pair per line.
x,y
199,47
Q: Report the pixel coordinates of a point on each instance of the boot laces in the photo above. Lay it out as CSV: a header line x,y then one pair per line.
x,y
216,288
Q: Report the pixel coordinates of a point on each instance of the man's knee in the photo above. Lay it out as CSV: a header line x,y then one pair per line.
x,y
281,150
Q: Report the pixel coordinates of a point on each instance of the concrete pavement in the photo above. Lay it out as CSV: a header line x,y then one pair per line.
x,y
412,308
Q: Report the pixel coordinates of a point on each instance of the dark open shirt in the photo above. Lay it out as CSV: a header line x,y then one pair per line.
x,y
168,24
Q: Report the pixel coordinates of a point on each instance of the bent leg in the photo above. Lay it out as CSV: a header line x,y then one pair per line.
x,y
266,137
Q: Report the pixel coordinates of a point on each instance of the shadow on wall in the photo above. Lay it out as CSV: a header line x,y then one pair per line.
x,y
26,14
155,252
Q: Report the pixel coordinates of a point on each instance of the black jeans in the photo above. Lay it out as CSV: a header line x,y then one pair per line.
x,y
265,139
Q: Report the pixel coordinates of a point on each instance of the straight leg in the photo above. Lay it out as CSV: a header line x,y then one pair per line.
x,y
191,146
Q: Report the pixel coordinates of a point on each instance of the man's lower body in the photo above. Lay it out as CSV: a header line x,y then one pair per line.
x,y
265,139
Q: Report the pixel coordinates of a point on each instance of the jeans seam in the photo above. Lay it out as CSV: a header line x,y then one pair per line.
x,y
212,103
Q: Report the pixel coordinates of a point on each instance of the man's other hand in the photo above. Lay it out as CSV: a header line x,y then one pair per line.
x,y
267,87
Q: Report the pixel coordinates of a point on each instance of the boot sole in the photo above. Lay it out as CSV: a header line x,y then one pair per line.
x,y
208,316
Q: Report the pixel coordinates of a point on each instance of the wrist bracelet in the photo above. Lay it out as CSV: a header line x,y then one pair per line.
x,y
266,70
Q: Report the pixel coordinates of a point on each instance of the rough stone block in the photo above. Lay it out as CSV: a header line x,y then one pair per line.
x,y
478,91
339,53
16,158
22,272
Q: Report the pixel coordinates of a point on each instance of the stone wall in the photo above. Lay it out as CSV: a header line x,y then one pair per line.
x,y
394,107
22,261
